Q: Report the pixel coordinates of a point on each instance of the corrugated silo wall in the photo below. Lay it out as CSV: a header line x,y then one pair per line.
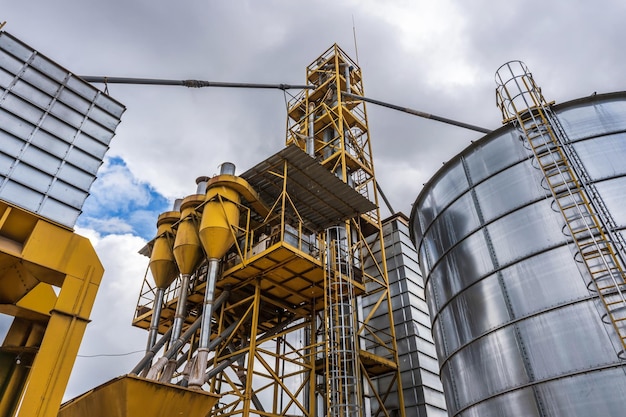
x,y
518,332
423,392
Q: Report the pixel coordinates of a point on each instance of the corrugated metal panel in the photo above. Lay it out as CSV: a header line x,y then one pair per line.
x,y
423,392
54,132
322,199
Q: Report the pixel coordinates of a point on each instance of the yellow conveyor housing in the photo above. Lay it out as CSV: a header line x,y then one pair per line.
x,y
38,353
132,396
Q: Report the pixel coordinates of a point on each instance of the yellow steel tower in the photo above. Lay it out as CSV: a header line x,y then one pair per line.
x,y
271,317
333,130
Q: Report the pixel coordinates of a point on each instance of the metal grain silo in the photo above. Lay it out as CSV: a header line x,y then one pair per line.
x,y
518,322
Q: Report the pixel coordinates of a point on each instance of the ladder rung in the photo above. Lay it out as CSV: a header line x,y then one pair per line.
x,y
595,253
586,227
611,271
545,151
554,164
609,289
612,287
571,183
571,188
528,118
571,206
548,145
582,234
589,258
612,303
538,134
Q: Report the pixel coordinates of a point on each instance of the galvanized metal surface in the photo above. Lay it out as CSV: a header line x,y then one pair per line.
x,y
423,392
54,131
517,330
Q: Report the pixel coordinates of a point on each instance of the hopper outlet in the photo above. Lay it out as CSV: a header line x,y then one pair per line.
x,y
187,246
220,214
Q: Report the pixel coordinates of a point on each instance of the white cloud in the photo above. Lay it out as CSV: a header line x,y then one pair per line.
x,y
112,225
120,203
116,189
110,331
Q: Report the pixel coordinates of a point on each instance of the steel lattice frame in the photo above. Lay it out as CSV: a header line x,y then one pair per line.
x,y
281,304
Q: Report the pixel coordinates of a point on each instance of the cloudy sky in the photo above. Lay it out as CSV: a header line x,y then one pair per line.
x,y
435,56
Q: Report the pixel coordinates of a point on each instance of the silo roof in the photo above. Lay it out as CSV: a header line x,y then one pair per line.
x,y
508,127
320,198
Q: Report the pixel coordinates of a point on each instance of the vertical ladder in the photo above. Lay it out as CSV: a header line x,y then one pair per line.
x,y
587,219
341,356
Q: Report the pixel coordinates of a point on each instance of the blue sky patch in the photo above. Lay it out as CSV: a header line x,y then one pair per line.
x,y
121,204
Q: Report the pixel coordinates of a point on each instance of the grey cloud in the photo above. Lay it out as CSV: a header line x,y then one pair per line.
x,y
170,135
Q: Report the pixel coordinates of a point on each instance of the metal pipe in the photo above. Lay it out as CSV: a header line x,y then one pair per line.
x,y
201,183
196,378
310,140
218,339
145,361
226,363
179,342
418,113
207,311
156,316
160,364
382,194
181,306
188,83
227,168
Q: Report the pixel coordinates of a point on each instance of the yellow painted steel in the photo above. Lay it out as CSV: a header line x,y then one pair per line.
x,y
338,130
243,188
271,337
220,214
187,246
40,299
162,263
132,396
44,338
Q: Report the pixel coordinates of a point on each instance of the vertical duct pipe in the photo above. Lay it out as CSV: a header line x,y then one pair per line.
x,y
156,317
163,267
221,213
201,183
310,140
187,253
227,168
